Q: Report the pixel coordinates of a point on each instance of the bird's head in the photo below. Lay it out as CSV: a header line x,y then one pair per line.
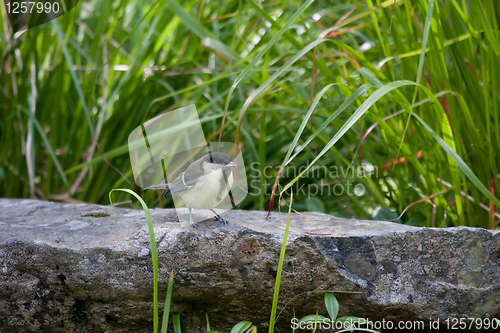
x,y
217,161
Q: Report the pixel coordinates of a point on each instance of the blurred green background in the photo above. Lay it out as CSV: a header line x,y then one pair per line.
x,y
71,91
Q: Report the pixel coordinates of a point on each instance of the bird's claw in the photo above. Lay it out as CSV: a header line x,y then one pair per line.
x,y
221,219
193,224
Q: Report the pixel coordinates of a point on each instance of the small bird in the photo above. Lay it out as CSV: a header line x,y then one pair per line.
x,y
203,185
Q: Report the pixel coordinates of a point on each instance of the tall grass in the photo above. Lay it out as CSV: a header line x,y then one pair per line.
x,y
73,89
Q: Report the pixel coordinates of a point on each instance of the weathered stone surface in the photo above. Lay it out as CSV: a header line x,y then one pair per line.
x,y
61,272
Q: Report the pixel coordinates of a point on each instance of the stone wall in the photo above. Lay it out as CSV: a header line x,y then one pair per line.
x,y
64,268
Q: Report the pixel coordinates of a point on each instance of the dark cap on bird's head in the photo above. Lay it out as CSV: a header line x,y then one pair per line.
x,y
218,158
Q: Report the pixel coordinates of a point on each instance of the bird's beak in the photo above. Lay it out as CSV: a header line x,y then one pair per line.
x,y
230,165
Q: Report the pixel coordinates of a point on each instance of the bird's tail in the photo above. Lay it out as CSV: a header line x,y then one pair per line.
x,y
157,187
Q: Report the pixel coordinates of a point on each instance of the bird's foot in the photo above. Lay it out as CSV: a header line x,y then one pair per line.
x,y
221,219
191,221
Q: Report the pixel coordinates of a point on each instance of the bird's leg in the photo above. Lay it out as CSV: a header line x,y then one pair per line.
x,y
191,222
219,218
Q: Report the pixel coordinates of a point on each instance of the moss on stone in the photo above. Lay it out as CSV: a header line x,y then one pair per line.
x,y
95,215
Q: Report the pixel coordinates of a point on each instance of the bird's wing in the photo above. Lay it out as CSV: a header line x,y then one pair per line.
x,y
156,187
184,182
178,185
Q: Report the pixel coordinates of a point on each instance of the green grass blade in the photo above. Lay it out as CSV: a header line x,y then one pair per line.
x,y
48,146
379,93
363,88
199,30
192,23
166,309
306,119
427,28
420,69
259,56
266,84
280,268
488,29
78,87
177,323
361,15
296,139
179,326
154,252
461,164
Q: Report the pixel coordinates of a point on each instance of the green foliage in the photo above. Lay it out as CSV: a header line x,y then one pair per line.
x,y
420,77
332,306
314,204
241,327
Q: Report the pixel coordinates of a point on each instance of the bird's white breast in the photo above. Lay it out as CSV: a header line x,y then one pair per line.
x,y
206,194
